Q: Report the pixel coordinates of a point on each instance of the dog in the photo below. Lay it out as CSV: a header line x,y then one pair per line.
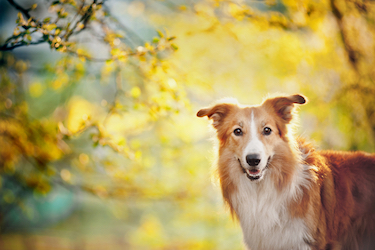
x,y
284,193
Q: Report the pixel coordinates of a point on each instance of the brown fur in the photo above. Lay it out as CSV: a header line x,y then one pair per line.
x,y
339,204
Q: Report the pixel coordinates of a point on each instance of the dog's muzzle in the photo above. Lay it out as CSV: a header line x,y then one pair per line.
x,y
253,178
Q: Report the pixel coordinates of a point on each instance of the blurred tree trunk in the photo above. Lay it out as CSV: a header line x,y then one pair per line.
x,y
356,21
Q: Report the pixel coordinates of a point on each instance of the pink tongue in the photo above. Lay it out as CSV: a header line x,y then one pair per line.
x,y
256,171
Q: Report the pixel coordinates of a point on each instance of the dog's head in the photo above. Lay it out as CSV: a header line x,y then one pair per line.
x,y
254,135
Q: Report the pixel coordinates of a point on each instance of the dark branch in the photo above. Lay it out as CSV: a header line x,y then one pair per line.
x,y
85,18
24,11
5,47
352,54
69,32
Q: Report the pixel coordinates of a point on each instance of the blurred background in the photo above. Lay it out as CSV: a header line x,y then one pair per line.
x,y
100,147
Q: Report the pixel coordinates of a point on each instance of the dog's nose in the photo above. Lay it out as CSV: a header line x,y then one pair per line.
x,y
253,159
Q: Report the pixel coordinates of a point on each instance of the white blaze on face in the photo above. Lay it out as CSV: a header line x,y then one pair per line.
x,y
255,145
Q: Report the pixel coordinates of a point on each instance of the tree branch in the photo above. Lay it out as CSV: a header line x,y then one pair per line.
x,y
87,57
24,11
352,54
5,47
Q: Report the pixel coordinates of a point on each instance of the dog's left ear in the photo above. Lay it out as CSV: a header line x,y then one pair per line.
x,y
216,113
284,105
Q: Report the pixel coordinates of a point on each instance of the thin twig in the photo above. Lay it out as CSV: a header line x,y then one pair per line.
x,y
93,59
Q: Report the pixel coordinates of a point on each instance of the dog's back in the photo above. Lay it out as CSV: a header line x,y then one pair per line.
x,y
354,184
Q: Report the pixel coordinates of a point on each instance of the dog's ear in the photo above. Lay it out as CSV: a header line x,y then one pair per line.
x,y
284,105
216,113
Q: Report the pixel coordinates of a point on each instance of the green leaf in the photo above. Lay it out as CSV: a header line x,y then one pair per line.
x,y
161,35
33,7
20,19
50,27
63,15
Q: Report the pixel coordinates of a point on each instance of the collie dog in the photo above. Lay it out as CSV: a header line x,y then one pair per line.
x,y
285,194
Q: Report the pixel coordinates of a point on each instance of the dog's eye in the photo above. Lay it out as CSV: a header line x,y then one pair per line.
x,y
237,132
267,131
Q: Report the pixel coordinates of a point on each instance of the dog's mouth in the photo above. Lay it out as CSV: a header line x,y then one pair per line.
x,y
254,174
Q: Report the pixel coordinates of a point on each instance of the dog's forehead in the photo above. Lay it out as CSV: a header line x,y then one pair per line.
x,y
243,114
248,114
249,111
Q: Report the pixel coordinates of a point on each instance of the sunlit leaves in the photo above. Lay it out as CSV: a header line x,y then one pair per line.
x,y
150,234
37,145
29,147
135,92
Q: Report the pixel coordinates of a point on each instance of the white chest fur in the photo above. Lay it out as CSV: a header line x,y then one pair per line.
x,y
264,216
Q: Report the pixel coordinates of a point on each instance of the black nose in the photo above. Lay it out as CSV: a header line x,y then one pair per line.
x,y
253,159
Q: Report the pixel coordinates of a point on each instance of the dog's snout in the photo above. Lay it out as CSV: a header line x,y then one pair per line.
x,y
253,159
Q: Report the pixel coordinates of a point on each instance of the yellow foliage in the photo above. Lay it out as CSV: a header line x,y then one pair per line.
x,y
107,69
20,66
236,10
150,234
36,89
49,27
83,159
135,92
131,123
204,9
66,175
80,111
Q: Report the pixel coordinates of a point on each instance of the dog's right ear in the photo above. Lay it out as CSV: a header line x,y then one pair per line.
x,y
284,106
216,113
